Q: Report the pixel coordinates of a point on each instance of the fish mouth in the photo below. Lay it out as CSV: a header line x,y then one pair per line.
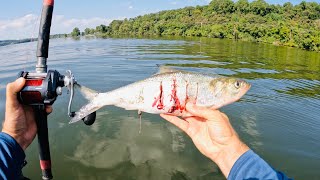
x,y
243,91
247,87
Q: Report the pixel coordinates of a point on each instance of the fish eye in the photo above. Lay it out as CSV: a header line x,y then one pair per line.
x,y
237,84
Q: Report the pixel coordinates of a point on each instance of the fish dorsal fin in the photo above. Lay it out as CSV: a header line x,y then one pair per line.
x,y
166,69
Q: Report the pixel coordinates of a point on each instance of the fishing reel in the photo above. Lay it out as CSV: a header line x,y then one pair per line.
x,y
44,88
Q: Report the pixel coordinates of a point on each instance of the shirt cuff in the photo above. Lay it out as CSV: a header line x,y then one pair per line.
x,y
17,152
251,166
240,163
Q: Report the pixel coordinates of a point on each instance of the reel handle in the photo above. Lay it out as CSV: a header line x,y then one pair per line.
x,y
71,83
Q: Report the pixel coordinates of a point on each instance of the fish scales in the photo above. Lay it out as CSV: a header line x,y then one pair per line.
x,y
161,93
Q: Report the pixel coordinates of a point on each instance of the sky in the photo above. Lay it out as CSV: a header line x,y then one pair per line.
x,y
20,18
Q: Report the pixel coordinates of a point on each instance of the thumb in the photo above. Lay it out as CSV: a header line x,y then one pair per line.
x,y
201,111
12,90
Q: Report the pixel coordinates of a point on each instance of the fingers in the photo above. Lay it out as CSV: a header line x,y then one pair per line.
x,y
16,86
182,124
201,111
12,90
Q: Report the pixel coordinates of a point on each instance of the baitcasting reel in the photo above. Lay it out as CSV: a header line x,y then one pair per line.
x,y
44,88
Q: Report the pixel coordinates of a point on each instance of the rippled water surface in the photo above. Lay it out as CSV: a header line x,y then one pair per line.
x,y
279,117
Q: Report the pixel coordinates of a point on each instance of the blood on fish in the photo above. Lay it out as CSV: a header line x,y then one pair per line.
x,y
160,106
174,97
159,99
186,97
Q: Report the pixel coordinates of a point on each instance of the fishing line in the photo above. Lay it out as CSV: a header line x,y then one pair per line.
x,y
30,49
140,120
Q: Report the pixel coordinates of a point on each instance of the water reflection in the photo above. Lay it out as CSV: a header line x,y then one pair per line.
x,y
149,152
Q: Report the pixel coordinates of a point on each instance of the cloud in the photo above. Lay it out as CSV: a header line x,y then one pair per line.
x,y
28,25
18,28
65,25
130,7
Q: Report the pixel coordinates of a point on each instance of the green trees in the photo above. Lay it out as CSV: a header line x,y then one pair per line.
x,y
259,7
75,32
115,25
102,29
89,31
222,6
242,6
287,24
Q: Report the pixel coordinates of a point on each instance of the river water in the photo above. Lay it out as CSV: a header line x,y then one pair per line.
x,y
279,118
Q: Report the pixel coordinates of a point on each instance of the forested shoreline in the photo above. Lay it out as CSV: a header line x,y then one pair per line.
x,y
286,25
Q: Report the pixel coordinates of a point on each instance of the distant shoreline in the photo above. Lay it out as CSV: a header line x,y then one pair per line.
x,y
9,42
126,36
26,40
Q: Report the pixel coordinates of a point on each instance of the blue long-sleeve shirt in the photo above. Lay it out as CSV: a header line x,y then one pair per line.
x,y
252,167
11,157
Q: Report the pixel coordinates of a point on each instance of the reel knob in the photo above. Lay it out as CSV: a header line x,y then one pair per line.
x,y
90,119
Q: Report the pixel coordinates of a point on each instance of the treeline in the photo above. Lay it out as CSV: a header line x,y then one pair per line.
x,y
287,24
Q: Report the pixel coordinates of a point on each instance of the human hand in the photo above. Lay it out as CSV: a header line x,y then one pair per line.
x,y
19,120
212,133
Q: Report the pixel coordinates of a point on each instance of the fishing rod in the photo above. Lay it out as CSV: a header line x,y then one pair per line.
x,y
43,87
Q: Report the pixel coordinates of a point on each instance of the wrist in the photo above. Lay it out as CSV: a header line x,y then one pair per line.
x,y
229,155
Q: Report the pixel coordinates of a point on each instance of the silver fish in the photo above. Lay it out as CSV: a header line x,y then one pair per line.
x,y
167,92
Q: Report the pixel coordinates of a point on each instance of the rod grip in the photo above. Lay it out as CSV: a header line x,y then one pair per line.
x,y
43,141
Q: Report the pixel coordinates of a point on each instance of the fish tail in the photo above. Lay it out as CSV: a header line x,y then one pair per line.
x,y
85,111
87,93
94,104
